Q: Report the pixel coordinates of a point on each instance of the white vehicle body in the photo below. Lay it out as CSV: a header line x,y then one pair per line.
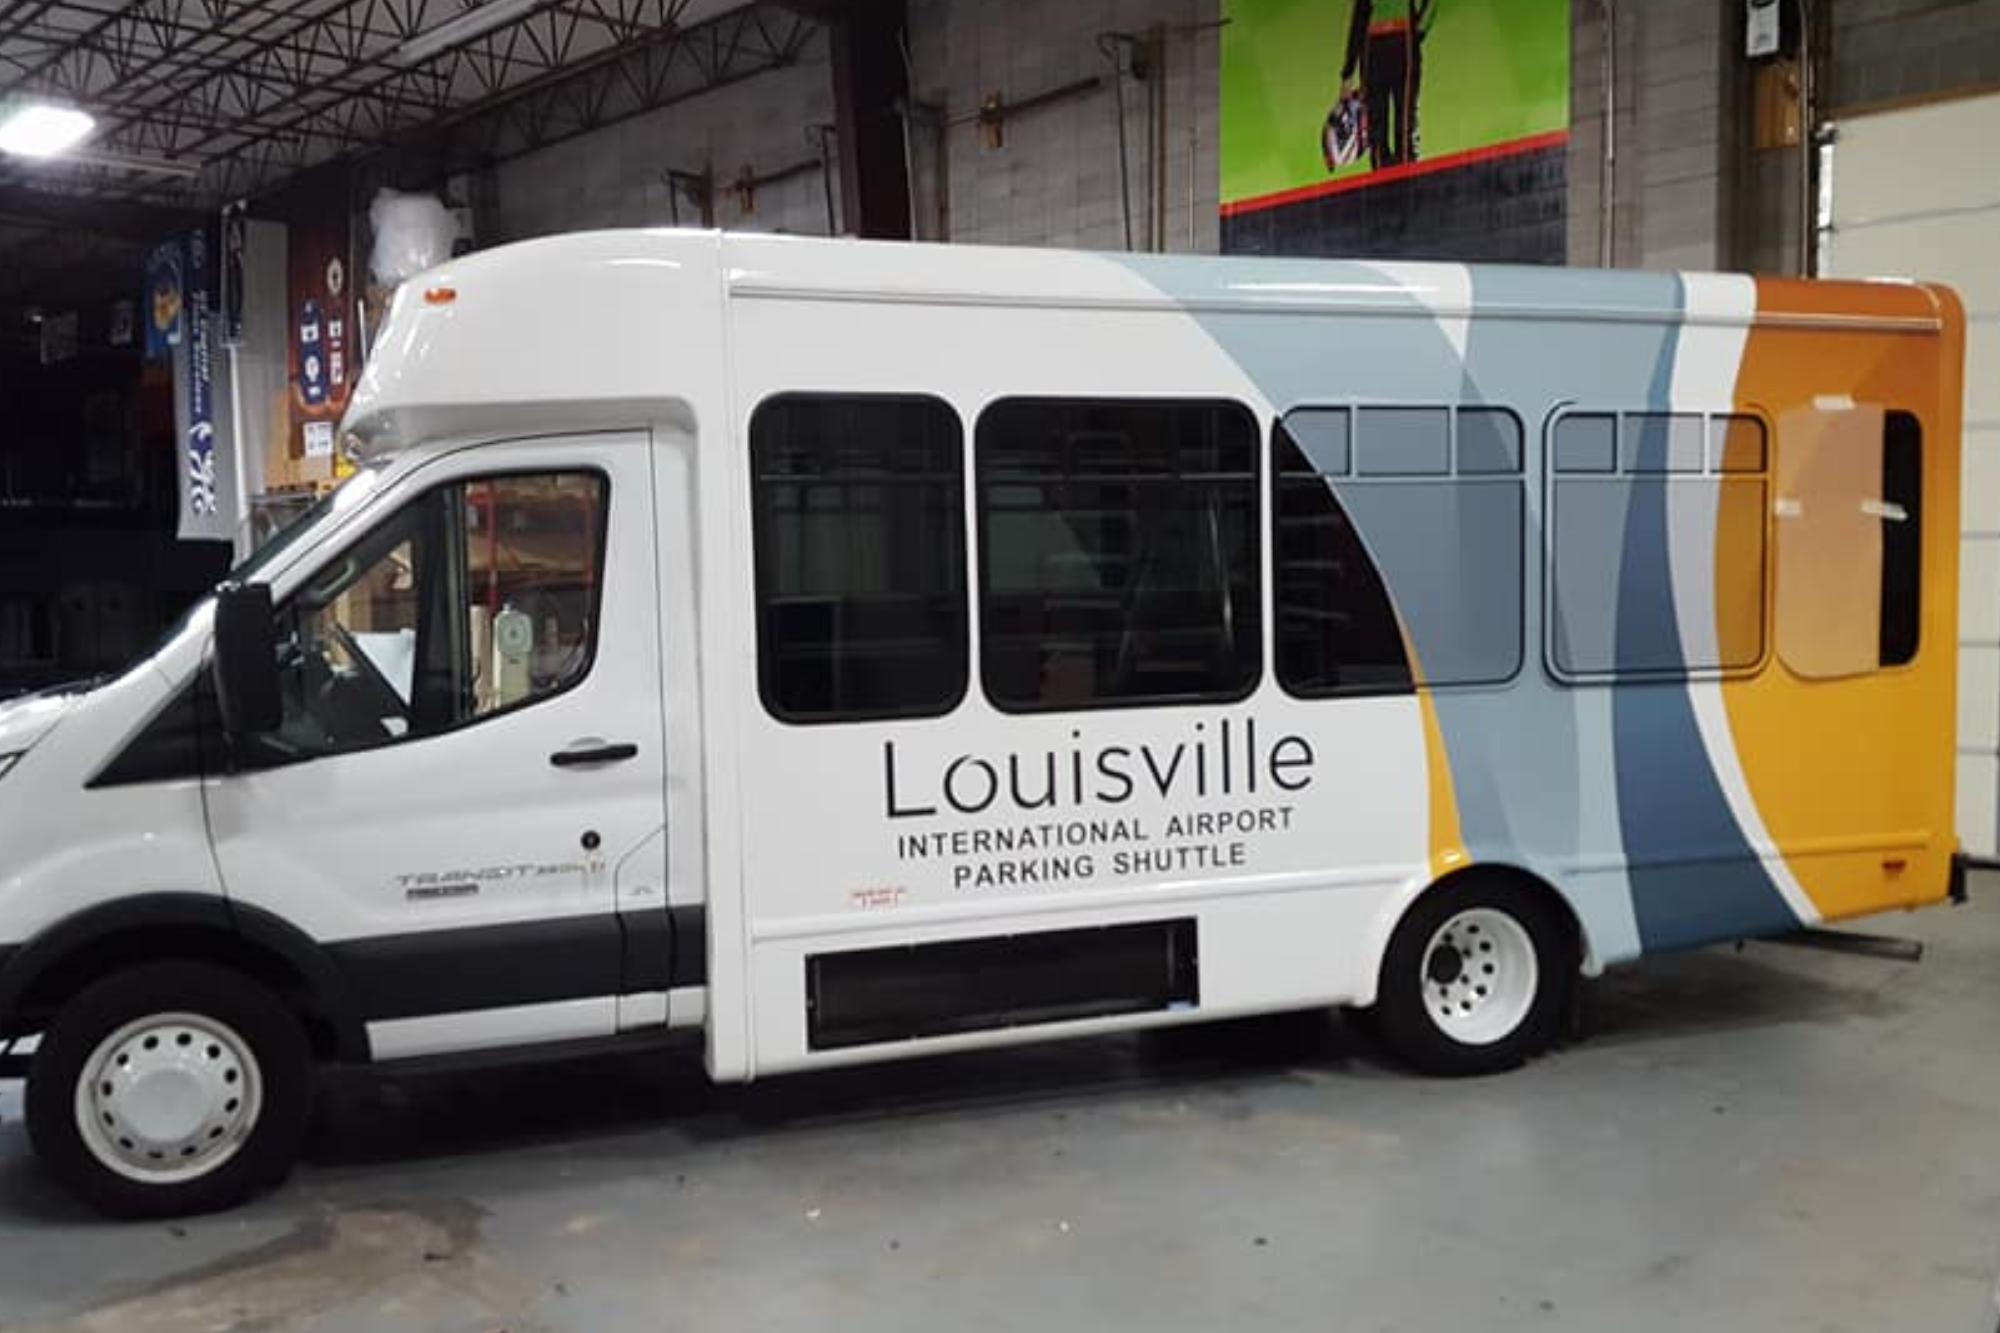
x,y
456,892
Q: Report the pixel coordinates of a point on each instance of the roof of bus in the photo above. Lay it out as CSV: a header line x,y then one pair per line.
x,y
766,263
562,321
1027,275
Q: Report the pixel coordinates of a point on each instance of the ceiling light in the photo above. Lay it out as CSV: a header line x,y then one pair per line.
x,y
42,129
462,29
183,168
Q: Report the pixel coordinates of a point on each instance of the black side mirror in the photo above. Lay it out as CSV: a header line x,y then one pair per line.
x,y
246,660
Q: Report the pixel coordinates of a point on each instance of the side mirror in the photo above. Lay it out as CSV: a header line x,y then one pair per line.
x,y
246,660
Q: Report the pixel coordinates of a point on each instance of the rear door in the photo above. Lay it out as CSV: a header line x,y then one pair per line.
x,y
472,752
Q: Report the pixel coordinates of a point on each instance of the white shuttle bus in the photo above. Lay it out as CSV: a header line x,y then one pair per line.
x,y
855,651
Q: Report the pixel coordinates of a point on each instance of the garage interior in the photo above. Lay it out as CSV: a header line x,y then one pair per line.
x,y
1761,1137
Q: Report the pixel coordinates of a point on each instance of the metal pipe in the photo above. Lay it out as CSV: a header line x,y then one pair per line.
x,y
822,135
1607,187
1193,33
941,175
698,186
909,168
903,118
1808,137
1194,127
1001,108
1107,45
1156,69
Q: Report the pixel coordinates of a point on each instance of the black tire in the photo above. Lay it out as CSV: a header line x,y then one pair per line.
x,y
264,1023
1403,1015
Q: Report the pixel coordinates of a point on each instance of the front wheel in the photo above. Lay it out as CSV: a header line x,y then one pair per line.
x,y
1475,978
168,1090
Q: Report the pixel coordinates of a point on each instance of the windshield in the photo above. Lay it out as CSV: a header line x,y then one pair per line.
x,y
342,497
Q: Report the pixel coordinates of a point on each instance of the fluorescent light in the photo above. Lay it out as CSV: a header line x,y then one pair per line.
x,y
184,168
460,30
42,129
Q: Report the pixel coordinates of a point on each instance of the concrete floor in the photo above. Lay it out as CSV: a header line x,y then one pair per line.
x,y
1771,1139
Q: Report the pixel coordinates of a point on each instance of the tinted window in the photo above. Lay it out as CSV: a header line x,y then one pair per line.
x,y
1120,555
1901,513
1336,630
860,533
475,598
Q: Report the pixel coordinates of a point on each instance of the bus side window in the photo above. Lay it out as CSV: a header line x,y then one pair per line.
x,y
859,517
1850,482
1419,547
1657,544
1119,553
1336,629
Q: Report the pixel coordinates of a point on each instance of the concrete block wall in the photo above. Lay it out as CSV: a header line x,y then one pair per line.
x,y
1690,191
1672,126
1892,50
612,177
1054,181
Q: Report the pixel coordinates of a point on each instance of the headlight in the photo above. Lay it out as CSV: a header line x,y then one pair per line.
x,y
7,761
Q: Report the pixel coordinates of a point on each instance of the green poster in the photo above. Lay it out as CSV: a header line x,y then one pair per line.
x,y
1428,85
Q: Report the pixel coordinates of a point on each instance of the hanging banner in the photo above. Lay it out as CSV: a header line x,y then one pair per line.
x,y
163,300
232,275
321,372
202,515
1396,128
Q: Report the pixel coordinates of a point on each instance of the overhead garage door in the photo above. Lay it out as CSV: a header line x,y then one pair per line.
x,y
1915,194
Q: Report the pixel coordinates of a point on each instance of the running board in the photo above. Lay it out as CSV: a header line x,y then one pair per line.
x,y
13,1066
1892,947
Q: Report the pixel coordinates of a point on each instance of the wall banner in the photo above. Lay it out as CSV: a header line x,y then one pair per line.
x,y
163,300
1396,128
321,345
202,514
231,276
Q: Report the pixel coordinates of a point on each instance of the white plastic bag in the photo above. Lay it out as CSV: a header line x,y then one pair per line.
x,y
413,232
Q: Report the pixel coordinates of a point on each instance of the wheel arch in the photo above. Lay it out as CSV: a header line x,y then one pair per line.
x,y
48,970
1368,977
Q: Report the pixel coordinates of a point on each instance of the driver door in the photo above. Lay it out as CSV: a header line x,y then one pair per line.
x,y
472,749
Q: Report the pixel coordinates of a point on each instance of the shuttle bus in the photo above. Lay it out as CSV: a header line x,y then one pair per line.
x,y
854,651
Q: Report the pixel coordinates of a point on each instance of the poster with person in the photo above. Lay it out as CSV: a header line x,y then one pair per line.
x,y
1451,116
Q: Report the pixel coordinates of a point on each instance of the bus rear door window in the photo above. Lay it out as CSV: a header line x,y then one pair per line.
x,y
1849,521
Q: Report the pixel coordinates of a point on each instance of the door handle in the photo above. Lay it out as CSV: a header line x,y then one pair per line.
x,y
578,756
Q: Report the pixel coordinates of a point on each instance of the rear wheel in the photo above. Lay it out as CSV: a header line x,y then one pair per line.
x,y
170,1089
1475,978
